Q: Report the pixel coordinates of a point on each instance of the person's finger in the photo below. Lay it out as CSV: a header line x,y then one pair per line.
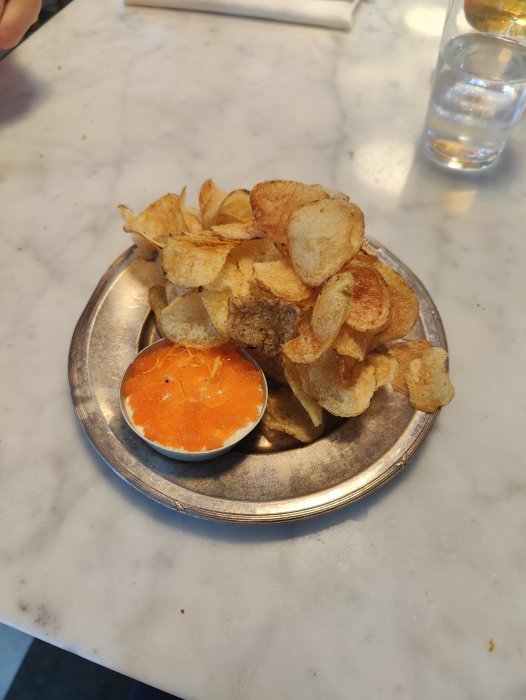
x,y
15,19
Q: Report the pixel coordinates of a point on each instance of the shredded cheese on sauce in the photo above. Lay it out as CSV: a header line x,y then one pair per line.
x,y
193,400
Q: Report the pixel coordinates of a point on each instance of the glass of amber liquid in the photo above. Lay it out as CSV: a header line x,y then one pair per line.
x,y
479,86
501,17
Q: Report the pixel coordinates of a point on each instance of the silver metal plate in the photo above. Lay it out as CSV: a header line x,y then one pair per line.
x,y
259,482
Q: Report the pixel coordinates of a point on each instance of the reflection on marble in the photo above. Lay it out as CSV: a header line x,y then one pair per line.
x,y
427,20
397,596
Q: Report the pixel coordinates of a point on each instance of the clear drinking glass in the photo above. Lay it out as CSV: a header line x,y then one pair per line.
x,y
479,86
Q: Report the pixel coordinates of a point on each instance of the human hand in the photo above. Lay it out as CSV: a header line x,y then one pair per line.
x,y
16,16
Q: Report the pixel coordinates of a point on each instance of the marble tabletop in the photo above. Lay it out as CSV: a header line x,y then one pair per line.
x,y
417,591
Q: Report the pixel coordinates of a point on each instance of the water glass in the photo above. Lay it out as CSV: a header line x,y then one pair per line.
x,y
479,85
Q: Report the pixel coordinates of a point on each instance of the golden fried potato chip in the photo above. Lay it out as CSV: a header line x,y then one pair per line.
x,y
336,194
144,248
370,305
232,278
308,303
188,264
385,368
279,277
404,305
332,306
210,199
203,238
428,381
216,304
192,222
185,321
235,208
322,236
322,381
366,255
328,314
237,231
285,414
293,374
404,353
175,290
158,301
163,216
346,366
191,215
262,324
245,254
273,200
352,343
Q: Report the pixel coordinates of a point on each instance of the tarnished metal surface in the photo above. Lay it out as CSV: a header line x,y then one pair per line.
x,y
259,482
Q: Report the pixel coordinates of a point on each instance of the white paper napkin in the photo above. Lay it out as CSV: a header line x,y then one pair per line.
x,y
336,14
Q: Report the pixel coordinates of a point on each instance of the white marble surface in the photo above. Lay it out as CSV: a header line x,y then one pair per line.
x,y
397,596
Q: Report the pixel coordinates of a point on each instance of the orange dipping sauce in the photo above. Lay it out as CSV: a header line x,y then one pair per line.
x,y
193,400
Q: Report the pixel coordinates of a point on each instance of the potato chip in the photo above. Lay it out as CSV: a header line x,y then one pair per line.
x,y
161,217
210,199
384,367
186,322
273,200
293,374
190,265
370,305
308,303
304,350
322,236
175,290
285,414
352,343
237,231
232,278
322,380
366,255
328,314
192,222
404,353
279,277
157,272
158,301
144,248
346,367
336,194
246,253
203,238
262,324
428,382
332,306
128,216
191,215
235,208
404,305
216,304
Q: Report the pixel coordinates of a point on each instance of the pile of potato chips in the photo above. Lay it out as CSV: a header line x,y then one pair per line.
x,y
283,271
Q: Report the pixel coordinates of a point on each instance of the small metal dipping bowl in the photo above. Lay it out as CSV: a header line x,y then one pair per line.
x,y
185,455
